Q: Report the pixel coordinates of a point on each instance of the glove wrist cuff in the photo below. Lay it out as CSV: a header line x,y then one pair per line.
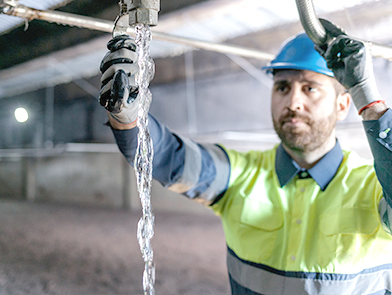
x,y
364,93
125,117
370,105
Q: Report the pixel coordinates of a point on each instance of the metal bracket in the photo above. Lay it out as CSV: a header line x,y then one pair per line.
x,y
121,23
8,8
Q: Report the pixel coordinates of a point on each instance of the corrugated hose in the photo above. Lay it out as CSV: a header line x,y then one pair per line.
x,y
317,33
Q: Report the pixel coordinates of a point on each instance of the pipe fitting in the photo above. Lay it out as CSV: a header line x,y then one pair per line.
x,y
143,12
7,6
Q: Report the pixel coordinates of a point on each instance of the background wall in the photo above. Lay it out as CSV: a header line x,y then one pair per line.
x,y
75,160
65,153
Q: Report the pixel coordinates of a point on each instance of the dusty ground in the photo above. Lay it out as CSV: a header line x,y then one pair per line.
x,y
60,249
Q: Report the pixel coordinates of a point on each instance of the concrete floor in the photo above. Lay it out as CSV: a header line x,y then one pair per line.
x,y
60,249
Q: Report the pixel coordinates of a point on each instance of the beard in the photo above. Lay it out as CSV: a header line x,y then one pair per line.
x,y
307,139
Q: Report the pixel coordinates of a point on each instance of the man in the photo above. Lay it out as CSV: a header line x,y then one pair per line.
x,y
304,217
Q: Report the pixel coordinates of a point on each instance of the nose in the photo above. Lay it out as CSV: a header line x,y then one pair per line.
x,y
295,99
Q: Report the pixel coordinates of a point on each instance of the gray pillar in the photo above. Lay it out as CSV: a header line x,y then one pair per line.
x,y
29,179
190,93
49,116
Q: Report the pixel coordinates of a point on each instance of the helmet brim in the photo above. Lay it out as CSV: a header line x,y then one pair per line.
x,y
296,66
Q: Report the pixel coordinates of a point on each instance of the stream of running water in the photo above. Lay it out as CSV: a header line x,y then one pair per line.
x,y
144,156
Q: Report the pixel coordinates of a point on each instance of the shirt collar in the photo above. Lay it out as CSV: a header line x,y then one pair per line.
x,y
322,172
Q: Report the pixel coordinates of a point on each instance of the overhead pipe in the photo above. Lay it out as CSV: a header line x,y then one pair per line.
x,y
59,17
316,32
91,23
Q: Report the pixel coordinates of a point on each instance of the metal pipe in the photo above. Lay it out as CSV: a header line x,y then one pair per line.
x,y
316,32
251,70
58,17
107,26
221,48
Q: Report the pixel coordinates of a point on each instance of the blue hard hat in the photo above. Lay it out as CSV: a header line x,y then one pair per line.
x,y
298,53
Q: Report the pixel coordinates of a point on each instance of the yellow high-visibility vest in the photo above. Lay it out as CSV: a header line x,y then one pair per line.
x,y
299,227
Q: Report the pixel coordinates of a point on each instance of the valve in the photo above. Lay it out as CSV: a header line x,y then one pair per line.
x,y
143,12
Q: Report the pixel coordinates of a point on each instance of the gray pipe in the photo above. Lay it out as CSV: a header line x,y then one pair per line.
x,y
59,17
316,32
70,19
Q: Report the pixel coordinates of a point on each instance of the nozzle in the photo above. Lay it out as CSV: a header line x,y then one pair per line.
x,y
143,12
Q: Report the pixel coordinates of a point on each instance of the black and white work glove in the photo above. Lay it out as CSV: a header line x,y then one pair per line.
x,y
119,93
351,62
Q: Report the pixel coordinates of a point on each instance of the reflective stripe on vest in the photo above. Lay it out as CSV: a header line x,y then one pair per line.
x,y
262,279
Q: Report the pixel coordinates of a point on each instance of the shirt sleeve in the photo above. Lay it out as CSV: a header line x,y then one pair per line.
x,y
199,171
379,134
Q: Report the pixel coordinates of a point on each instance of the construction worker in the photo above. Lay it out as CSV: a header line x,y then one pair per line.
x,y
305,217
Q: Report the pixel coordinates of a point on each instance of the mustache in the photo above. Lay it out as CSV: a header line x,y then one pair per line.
x,y
289,115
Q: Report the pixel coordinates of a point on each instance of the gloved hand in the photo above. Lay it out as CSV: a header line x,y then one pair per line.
x,y
119,93
351,62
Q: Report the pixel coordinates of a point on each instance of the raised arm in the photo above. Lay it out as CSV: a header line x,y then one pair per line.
x,y
351,62
200,172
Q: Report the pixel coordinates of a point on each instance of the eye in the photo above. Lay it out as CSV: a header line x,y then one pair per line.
x,y
282,87
310,89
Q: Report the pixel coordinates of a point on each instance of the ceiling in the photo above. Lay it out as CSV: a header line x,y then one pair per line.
x,y
50,54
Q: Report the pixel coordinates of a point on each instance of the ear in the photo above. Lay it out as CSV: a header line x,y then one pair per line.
x,y
343,102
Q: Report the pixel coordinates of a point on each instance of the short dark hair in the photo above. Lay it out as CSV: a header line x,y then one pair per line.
x,y
339,88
